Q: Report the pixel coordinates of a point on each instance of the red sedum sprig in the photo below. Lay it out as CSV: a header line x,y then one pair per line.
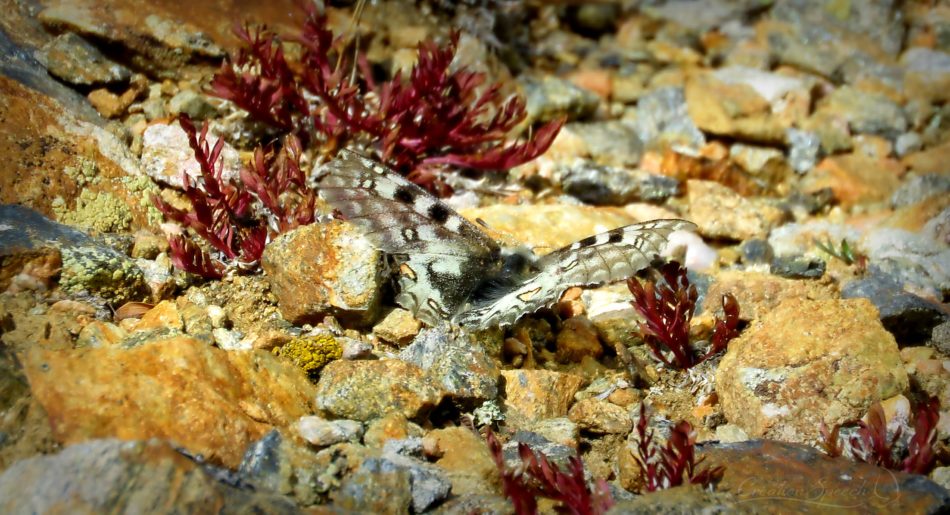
x,y
672,465
872,444
224,213
435,116
667,309
539,477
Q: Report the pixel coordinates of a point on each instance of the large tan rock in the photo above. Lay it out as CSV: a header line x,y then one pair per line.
x,y
204,399
805,363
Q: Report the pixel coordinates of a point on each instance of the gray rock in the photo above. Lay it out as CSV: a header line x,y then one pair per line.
x,y
798,267
821,41
192,103
908,317
279,464
549,97
661,118
114,476
865,112
463,369
605,185
613,143
88,267
72,59
476,503
555,452
361,491
907,143
697,15
940,338
756,251
152,43
406,482
920,187
803,149
923,59
914,260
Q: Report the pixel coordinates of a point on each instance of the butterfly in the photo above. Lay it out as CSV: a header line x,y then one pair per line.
x,y
450,270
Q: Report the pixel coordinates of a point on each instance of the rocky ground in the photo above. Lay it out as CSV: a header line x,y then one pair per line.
x,y
782,129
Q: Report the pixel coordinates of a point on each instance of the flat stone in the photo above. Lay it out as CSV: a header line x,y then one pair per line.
x,y
167,156
600,416
209,401
398,327
864,112
735,110
766,476
722,213
807,363
464,457
324,433
549,97
72,59
99,476
576,340
855,178
662,120
604,186
612,143
364,390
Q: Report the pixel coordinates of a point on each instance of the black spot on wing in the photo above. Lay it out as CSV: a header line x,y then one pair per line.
x,y
404,194
439,213
615,236
587,242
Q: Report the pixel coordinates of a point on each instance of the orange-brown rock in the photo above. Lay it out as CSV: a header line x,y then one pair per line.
x,y
539,394
855,178
808,363
324,269
209,401
759,293
465,456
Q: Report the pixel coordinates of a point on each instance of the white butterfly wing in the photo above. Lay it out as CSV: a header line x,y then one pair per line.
x,y
603,258
440,253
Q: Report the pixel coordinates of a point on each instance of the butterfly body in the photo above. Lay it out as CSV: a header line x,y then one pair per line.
x,y
448,269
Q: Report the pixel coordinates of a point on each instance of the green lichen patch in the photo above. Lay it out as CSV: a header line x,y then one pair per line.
x,y
96,211
311,353
102,272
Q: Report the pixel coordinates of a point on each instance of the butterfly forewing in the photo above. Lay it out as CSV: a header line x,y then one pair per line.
x,y
439,254
398,216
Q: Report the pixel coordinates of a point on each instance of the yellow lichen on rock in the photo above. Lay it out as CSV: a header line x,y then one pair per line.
x,y
311,353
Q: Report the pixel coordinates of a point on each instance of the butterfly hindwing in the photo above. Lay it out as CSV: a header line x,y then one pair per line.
x,y
439,254
603,258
